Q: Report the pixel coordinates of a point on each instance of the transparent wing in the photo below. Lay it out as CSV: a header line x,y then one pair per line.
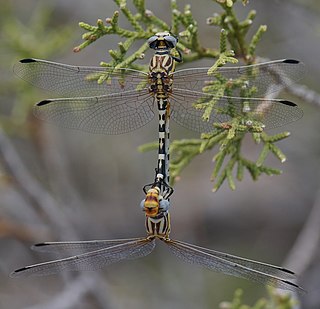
x,y
90,261
230,265
266,77
185,114
272,113
77,81
110,114
255,265
78,246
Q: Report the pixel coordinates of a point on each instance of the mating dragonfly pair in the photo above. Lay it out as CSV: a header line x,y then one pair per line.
x,y
123,101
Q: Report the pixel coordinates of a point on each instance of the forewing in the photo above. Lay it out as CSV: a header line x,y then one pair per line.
x,y
192,255
77,81
111,114
61,247
90,261
266,77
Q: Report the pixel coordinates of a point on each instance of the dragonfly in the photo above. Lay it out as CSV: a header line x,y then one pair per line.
x,y
118,100
96,254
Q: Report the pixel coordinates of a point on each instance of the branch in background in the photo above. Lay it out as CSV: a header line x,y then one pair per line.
x,y
307,243
274,301
305,94
32,189
72,294
54,216
144,24
9,228
21,40
228,137
237,30
228,158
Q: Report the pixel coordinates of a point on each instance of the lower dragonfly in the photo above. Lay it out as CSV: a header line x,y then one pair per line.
x,y
100,253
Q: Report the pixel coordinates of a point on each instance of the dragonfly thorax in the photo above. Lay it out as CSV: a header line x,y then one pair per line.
x,y
160,74
158,227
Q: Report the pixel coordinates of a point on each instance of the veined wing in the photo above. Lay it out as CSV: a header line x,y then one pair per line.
x,y
252,264
184,113
271,112
77,81
267,77
78,246
90,261
210,260
110,114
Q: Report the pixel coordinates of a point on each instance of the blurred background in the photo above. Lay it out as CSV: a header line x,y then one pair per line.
x,y
60,184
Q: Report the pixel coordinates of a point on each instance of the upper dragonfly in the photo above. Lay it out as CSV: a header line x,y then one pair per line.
x,y
123,99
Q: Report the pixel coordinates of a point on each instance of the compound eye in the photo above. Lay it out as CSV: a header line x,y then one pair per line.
x,y
164,205
142,204
152,41
171,41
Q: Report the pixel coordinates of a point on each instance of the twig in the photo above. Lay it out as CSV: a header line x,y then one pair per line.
x,y
31,187
305,94
58,221
72,295
307,243
300,91
58,168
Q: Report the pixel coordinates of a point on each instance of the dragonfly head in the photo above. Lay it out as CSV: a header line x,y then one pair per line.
x,y
151,203
162,40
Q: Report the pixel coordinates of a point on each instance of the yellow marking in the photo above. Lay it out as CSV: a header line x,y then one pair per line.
x,y
151,203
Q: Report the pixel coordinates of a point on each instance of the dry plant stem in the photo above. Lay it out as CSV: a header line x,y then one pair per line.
x,y
53,215
57,166
304,251
32,189
72,295
305,94
307,243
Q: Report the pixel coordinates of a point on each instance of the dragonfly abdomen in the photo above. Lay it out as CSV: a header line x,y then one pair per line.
x,y
161,67
163,151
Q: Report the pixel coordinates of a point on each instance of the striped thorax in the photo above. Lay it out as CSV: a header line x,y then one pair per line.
x,y
158,226
162,64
